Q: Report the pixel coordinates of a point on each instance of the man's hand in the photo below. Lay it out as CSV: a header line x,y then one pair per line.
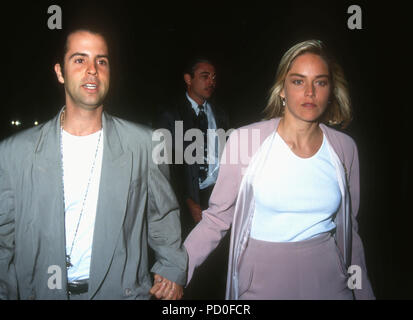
x,y
165,289
194,209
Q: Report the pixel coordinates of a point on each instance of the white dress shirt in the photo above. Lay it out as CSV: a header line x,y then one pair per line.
x,y
213,144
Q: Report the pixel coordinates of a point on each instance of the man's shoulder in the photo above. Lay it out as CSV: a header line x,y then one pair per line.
x,y
166,113
133,135
21,146
128,127
22,140
176,105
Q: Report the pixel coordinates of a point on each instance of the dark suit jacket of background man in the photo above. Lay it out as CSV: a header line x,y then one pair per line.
x,y
209,279
185,177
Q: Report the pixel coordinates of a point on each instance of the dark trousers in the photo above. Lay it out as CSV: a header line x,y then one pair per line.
x,y
209,279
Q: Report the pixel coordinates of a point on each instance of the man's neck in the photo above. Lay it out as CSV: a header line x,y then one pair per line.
x,y
82,122
197,99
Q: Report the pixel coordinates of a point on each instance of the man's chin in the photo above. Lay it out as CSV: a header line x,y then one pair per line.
x,y
90,106
86,103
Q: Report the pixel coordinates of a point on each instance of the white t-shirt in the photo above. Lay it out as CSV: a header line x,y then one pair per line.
x,y
78,157
295,198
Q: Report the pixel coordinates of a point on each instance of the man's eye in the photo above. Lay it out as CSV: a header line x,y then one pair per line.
x,y
103,62
79,60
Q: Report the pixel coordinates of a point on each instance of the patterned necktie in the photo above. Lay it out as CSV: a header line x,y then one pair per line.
x,y
203,126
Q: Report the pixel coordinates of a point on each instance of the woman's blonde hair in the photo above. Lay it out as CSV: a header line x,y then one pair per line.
x,y
338,111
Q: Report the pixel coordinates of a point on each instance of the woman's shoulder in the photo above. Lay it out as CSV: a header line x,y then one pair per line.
x,y
337,134
342,143
261,125
245,141
260,129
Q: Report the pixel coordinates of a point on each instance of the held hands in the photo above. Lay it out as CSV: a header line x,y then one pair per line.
x,y
165,289
194,209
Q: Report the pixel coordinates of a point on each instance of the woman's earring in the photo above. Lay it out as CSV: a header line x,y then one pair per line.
x,y
283,101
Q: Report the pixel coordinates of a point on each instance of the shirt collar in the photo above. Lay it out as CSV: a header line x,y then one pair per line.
x,y
194,105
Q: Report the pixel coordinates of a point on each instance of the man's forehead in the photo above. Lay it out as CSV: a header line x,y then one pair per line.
x,y
204,67
80,41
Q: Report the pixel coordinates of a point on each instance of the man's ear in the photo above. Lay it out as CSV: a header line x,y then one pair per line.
x,y
187,79
59,75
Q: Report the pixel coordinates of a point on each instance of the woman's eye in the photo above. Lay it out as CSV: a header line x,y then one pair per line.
x,y
297,82
322,83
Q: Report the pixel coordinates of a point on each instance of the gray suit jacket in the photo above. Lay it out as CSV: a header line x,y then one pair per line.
x,y
136,208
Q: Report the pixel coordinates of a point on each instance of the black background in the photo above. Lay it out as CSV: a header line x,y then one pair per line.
x,y
153,40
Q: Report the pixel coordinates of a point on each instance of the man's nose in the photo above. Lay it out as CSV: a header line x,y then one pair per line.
x,y
211,81
92,68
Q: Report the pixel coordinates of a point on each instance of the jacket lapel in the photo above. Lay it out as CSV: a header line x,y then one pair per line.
x,y
113,197
49,208
220,119
188,117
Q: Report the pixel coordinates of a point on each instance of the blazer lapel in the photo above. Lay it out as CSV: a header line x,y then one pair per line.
x,y
113,197
49,208
218,117
188,115
192,170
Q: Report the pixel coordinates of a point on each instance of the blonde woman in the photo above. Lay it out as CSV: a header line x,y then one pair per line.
x,y
292,197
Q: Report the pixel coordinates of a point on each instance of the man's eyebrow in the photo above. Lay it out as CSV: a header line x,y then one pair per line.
x,y
303,76
208,73
78,54
86,55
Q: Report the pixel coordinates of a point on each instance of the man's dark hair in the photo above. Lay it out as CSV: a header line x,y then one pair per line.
x,y
191,65
64,47
90,27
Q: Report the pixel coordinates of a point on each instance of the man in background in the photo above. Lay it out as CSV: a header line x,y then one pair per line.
x,y
194,182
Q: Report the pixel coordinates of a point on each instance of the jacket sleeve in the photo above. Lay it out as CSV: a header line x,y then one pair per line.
x,y
217,219
357,253
8,280
164,229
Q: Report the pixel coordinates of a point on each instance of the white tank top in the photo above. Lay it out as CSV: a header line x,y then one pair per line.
x,y
295,198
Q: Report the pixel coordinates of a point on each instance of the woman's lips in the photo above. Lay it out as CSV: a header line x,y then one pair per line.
x,y
309,105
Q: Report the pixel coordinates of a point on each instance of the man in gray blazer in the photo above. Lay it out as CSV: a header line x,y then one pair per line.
x,y
81,198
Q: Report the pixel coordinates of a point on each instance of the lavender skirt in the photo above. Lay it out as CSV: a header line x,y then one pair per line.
x,y
310,269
